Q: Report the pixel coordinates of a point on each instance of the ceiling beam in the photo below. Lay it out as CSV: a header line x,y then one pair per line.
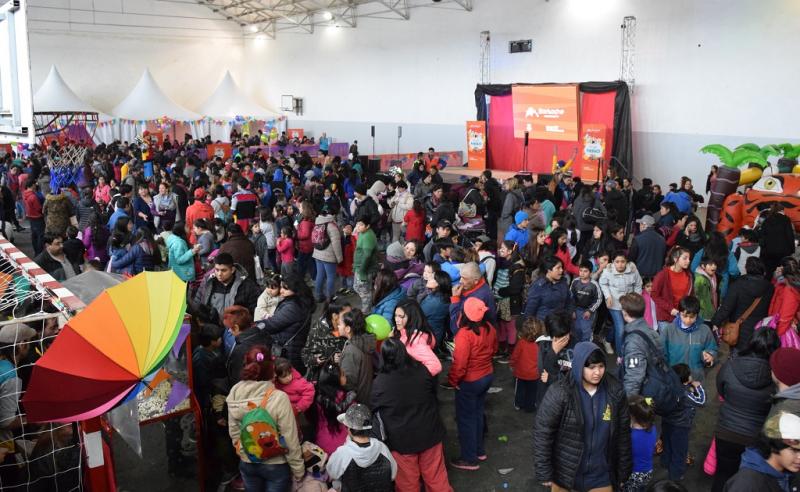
x,y
399,7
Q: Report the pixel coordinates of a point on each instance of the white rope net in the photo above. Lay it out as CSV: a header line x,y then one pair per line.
x,y
33,457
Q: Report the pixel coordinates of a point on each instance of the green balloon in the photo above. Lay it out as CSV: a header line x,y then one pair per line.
x,y
378,326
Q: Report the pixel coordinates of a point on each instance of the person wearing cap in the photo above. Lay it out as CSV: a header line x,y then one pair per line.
x,y
362,462
199,209
471,374
772,463
518,232
14,349
582,434
648,248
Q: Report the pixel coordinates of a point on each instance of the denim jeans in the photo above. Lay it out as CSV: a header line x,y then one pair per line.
x,y
260,477
37,235
619,329
326,274
470,401
583,327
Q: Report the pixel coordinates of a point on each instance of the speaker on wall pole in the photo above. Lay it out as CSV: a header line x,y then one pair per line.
x,y
372,132
399,136
525,154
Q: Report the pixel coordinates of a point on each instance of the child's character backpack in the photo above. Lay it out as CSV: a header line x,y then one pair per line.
x,y
260,437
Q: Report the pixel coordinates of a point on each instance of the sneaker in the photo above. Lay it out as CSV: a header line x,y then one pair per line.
x,y
19,229
494,389
464,465
482,457
447,386
607,346
504,359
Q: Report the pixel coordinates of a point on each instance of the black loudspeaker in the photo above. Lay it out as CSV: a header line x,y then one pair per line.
x,y
364,160
373,166
526,139
372,131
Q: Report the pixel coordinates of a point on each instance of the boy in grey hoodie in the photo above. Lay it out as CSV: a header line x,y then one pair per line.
x,y
361,463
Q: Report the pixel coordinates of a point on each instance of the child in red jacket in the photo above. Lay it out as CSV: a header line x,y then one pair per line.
x,y
525,365
299,390
285,248
415,223
345,268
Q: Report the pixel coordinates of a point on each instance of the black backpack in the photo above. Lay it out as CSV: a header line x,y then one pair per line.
x,y
661,383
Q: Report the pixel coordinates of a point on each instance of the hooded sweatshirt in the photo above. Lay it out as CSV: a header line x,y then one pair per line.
x,y
756,475
356,363
374,457
594,470
686,344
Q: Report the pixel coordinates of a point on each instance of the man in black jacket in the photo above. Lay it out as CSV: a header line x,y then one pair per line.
x,y
648,249
582,437
54,261
494,202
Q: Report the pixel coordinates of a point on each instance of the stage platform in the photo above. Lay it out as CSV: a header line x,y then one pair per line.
x,y
459,174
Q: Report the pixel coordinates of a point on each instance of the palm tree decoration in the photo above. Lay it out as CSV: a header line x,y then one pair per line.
x,y
730,176
789,154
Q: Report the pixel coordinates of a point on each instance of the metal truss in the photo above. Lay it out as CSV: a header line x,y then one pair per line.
x,y
268,17
626,72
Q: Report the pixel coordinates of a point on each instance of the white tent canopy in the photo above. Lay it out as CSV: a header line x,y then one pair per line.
x,y
226,103
147,102
55,96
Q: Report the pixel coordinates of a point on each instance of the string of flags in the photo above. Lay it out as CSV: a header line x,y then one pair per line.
x,y
166,121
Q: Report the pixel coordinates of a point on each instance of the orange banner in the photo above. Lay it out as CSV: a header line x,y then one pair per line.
x,y
222,150
476,144
546,112
594,146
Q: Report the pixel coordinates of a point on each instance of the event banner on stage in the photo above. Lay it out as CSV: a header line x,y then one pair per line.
x,y
594,146
476,144
222,150
546,112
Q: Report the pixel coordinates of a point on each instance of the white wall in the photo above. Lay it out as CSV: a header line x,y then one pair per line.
x,y
707,71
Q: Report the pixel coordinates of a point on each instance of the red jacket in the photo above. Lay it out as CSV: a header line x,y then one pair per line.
x,y
199,210
299,390
472,357
786,305
33,207
525,360
415,226
662,294
304,229
345,268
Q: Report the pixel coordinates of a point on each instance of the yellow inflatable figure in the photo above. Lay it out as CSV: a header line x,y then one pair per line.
x,y
562,166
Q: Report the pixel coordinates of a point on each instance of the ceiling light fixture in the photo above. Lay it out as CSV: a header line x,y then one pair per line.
x,y
253,28
327,15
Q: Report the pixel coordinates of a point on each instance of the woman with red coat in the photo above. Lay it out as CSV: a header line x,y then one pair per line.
x,y
415,223
471,374
672,284
305,248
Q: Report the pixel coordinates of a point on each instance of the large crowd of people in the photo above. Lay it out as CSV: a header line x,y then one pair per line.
x,y
609,304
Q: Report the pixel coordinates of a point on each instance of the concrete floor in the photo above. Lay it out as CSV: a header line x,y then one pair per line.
x,y
149,473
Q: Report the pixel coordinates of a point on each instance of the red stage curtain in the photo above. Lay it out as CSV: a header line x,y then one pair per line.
x,y
505,152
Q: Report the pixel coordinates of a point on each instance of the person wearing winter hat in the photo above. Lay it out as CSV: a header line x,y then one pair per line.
x,y
773,462
364,208
362,462
785,365
518,232
471,374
